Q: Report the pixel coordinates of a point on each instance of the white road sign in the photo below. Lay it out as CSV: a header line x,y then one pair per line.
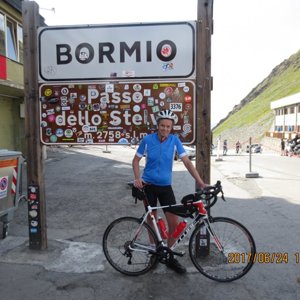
x,y
165,50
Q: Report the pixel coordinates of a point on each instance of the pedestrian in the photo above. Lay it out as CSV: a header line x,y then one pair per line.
x,y
225,149
237,147
160,148
282,143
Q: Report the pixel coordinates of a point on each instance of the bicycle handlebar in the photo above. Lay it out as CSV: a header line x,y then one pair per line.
x,y
209,194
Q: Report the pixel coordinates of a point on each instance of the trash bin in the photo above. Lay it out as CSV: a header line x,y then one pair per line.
x,y
11,163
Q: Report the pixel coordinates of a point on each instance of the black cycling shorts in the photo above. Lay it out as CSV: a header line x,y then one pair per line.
x,y
164,194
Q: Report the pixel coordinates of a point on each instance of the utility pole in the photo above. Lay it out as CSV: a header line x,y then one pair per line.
x,y
203,103
34,157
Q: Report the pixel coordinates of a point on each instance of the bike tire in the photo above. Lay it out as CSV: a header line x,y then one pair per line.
x,y
116,240
239,250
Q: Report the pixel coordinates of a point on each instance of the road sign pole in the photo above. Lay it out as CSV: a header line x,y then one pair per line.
x,y
34,155
203,89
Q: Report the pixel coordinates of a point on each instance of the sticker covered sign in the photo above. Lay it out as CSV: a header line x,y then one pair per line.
x,y
113,112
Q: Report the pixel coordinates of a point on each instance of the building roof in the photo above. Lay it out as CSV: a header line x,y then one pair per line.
x,y
16,4
286,101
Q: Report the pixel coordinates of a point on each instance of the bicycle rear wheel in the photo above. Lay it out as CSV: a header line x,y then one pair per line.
x,y
237,254
127,246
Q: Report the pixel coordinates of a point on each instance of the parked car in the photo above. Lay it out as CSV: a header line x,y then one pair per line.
x,y
255,148
191,152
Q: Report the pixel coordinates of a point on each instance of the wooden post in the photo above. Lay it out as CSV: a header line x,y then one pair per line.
x,y
34,155
203,89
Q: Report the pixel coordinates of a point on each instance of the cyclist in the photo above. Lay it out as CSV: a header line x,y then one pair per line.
x,y
159,149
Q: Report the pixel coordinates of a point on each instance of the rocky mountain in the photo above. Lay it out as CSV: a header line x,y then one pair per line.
x,y
253,117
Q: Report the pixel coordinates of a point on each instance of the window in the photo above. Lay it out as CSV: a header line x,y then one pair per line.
x,y
292,110
2,35
11,35
11,38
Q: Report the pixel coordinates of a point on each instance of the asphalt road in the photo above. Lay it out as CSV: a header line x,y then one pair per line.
x,y
86,189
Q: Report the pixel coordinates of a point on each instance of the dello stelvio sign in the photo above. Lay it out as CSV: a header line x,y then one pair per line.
x,y
159,50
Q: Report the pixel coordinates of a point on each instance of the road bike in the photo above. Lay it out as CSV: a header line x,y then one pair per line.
x,y
222,249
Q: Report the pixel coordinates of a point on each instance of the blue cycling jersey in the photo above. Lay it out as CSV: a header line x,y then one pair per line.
x,y
159,158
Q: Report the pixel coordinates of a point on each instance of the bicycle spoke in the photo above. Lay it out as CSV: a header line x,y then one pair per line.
x,y
233,239
126,245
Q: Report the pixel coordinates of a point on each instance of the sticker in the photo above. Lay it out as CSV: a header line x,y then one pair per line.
x,y
109,88
68,133
136,108
32,213
147,92
3,186
53,138
59,132
162,96
85,128
162,103
44,124
64,91
150,101
176,106
187,99
137,97
186,89
155,109
48,92
82,97
187,128
188,106
137,87
168,91
33,230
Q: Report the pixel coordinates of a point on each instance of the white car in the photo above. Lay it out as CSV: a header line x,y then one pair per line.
x,y
191,152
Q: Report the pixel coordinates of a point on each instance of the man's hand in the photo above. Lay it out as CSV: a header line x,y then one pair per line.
x,y
138,183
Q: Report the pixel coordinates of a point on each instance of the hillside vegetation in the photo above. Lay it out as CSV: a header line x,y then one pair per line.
x,y
253,116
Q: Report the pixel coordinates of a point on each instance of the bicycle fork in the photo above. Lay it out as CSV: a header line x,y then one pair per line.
x,y
213,234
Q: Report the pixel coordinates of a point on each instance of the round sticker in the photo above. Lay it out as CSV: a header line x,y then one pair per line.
x,y
64,91
44,124
51,118
68,133
187,99
85,128
82,97
48,92
162,95
168,91
137,87
59,132
34,223
186,128
53,138
137,97
32,213
136,108
186,89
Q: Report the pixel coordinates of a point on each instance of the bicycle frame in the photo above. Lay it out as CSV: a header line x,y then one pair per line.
x,y
190,226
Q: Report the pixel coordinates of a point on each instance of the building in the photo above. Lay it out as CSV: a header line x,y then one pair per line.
x,y
12,125
12,134
287,117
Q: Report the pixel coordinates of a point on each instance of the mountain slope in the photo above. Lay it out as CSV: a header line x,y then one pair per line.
x,y
253,116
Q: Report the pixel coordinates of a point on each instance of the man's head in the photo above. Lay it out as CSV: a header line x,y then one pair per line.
x,y
165,121
165,115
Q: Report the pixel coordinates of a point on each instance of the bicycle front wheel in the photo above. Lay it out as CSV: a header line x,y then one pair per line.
x,y
129,246
231,249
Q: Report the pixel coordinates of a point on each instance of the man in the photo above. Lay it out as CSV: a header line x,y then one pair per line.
x,y
160,148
